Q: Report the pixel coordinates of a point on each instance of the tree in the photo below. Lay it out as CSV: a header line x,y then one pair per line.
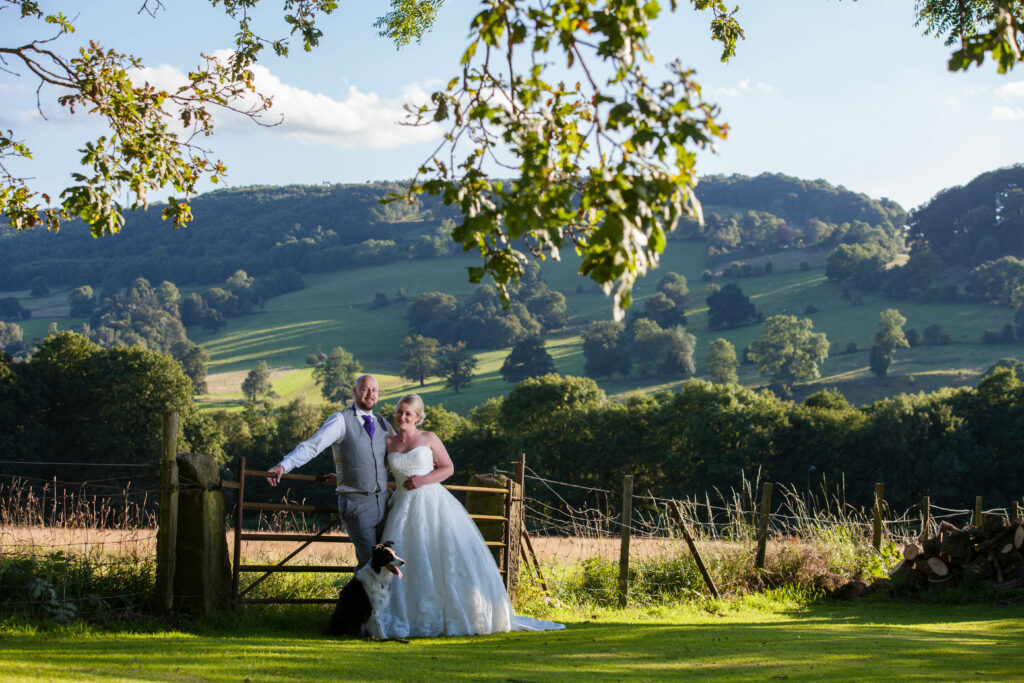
x,y
257,382
337,375
729,307
788,351
419,358
888,338
456,365
604,352
11,339
528,358
11,309
680,349
663,310
722,362
193,361
431,313
38,286
674,286
81,301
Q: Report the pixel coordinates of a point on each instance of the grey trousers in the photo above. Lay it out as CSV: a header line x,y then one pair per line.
x,y
363,517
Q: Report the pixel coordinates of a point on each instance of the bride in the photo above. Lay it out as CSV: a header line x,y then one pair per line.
x,y
451,584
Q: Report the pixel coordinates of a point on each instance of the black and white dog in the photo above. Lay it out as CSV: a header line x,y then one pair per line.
x,y
363,599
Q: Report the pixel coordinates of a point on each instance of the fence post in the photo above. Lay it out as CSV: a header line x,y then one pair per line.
x,y
167,531
926,514
236,555
762,526
977,511
627,516
876,537
1014,512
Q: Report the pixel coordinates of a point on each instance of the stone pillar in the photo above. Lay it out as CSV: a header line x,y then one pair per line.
x,y
202,580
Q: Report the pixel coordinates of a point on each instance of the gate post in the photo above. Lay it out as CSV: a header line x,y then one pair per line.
x,y
167,532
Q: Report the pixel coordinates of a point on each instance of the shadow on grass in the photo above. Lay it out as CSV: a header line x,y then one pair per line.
x,y
857,641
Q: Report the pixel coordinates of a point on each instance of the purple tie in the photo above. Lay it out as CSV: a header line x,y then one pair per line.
x,y
368,424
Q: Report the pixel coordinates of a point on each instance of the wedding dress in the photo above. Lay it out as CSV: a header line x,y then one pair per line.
x,y
450,584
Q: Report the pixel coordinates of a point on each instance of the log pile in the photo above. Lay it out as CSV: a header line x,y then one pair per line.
x,y
993,551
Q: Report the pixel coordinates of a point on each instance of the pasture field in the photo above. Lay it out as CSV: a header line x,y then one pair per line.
x,y
335,310
763,637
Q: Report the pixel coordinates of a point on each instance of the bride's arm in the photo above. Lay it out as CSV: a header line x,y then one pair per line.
x,y
443,467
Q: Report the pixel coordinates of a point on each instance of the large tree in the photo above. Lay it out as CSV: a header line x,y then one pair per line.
x,y
789,351
888,338
528,358
337,375
457,365
419,358
729,307
722,362
257,382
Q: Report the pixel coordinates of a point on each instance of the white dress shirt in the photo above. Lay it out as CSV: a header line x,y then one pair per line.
x,y
332,430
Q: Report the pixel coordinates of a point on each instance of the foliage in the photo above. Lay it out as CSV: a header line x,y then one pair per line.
x,y
337,375
977,222
257,383
193,361
419,358
888,338
456,365
995,281
788,351
528,358
617,211
981,27
139,315
77,402
674,286
729,307
604,349
11,309
722,363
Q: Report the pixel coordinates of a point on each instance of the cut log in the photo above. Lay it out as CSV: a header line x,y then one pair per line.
x,y
940,583
992,523
956,546
911,551
935,569
930,546
979,568
946,528
1018,537
995,567
992,541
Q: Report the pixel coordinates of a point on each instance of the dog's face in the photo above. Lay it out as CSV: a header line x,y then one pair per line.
x,y
386,558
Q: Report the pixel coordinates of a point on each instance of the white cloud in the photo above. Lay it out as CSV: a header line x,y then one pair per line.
x,y
744,86
1004,113
358,119
1012,109
952,101
1011,91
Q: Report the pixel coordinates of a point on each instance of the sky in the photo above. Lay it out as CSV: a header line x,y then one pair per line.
x,y
848,91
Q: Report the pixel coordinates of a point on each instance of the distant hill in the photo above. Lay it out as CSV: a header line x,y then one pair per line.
x,y
329,228
977,222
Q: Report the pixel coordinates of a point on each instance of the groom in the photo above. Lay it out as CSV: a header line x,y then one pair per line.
x,y
356,436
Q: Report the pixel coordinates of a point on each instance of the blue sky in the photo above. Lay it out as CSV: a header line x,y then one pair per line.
x,y
848,91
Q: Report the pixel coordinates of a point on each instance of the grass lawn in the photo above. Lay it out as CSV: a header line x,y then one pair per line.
x,y
755,638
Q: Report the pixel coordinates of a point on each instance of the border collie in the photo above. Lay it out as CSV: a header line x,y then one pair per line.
x,y
363,599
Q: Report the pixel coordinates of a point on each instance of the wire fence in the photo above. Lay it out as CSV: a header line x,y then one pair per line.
x,y
75,547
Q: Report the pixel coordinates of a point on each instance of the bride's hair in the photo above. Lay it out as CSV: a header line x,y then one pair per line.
x,y
416,403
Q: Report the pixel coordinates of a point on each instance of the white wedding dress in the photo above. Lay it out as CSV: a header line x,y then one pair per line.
x,y
450,584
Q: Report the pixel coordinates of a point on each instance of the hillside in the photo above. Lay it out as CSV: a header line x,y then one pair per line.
x,y
337,308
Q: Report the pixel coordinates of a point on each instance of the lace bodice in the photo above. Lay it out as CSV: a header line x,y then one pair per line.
x,y
419,460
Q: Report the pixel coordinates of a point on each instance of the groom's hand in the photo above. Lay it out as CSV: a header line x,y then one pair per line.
x,y
276,473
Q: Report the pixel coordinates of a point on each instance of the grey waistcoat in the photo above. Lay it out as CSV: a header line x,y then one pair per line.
x,y
358,460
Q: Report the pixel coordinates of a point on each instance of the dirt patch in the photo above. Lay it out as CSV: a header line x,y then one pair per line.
x,y
231,382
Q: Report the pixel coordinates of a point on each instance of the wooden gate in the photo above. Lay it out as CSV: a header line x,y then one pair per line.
x,y
239,593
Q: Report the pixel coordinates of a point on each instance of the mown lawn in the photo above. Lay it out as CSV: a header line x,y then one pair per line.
x,y
752,639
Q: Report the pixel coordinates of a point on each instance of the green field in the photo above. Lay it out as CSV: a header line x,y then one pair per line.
x,y
335,310
756,638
